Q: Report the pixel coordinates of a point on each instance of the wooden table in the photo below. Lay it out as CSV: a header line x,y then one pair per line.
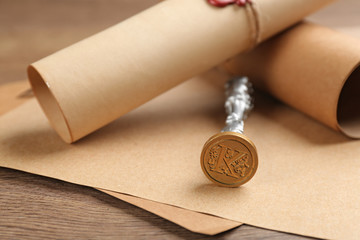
x,y
33,207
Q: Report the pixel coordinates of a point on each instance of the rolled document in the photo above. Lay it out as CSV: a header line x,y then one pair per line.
x,y
91,83
313,69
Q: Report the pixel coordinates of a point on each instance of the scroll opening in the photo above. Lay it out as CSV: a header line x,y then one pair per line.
x,y
49,104
348,110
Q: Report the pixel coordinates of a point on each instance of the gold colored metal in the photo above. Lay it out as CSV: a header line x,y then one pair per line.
x,y
229,159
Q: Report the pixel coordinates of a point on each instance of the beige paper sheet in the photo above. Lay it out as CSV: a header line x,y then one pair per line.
x,y
93,82
191,220
313,69
307,172
15,94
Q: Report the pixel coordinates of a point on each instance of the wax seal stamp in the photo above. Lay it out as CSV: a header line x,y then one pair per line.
x,y
230,158
223,3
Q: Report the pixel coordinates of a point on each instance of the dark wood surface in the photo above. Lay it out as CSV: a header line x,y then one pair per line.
x,y
35,207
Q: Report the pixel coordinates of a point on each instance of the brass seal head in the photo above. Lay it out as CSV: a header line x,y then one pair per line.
x,y
229,159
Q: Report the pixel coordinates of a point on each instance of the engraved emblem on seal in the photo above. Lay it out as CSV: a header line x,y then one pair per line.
x,y
229,159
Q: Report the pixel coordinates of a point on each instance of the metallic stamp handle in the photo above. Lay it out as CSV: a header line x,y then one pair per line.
x,y
238,104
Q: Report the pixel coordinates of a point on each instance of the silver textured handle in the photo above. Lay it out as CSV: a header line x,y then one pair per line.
x,y
238,104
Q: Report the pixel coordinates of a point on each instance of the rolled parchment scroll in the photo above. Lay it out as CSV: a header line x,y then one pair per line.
x,y
91,83
313,69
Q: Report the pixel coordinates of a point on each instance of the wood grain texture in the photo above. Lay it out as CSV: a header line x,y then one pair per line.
x,y
35,207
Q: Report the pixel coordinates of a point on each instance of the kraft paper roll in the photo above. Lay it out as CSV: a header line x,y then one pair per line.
x,y
93,82
313,69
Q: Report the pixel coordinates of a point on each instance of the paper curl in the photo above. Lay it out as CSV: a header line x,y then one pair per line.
x,y
91,83
311,68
